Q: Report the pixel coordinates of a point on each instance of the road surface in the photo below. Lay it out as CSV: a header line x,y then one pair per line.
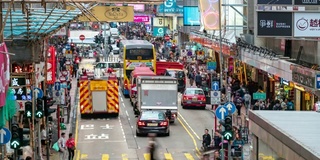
x,y
114,138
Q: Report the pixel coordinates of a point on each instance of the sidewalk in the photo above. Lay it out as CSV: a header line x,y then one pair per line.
x,y
69,126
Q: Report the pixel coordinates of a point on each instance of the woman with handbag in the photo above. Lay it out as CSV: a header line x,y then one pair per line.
x,y
71,146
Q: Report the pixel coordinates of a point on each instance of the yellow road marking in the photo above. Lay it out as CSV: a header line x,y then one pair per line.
x,y
184,120
146,156
124,157
168,156
76,134
83,156
77,155
105,157
188,156
193,139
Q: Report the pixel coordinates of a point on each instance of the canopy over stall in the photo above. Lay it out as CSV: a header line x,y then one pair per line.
x,y
35,23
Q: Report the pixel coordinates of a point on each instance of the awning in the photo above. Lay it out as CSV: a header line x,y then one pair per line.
x,y
40,23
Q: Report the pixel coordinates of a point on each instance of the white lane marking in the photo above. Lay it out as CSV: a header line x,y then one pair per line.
x,y
121,99
127,113
85,141
119,141
124,106
189,126
124,137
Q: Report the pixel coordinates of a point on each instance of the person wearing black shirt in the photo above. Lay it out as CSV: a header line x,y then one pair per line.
x,y
206,139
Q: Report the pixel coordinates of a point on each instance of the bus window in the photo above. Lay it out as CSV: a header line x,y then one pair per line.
x,y
114,65
133,54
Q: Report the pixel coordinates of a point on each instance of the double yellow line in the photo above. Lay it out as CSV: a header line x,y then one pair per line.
x,y
194,140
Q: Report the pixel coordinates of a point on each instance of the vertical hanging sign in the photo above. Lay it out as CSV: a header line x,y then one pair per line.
x,y
51,65
4,73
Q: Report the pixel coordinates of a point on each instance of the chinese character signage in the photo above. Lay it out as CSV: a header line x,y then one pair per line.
x,y
170,6
272,2
304,76
17,82
307,2
4,73
274,24
19,88
306,25
51,65
210,14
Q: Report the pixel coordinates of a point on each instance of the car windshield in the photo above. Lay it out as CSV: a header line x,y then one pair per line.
x,y
194,92
152,116
176,74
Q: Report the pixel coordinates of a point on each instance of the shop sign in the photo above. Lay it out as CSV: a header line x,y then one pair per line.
x,y
136,7
159,31
283,81
209,11
274,24
141,19
170,6
306,24
303,76
268,2
258,95
307,2
109,14
51,65
318,81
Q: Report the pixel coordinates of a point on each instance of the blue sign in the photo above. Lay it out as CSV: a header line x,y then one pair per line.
x,y
39,93
170,6
318,81
221,112
215,85
63,85
169,44
57,86
191,16
159,31
68,47
229,106
211,65
5,135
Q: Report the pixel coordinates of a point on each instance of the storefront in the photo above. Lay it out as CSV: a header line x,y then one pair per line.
x,y
284,90
305,87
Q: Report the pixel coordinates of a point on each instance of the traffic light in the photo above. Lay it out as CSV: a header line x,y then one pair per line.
x,y
28,109
228,133
48,102
24,141
15,142
39,110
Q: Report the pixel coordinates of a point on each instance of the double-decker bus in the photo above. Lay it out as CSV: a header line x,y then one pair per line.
x,y
135,53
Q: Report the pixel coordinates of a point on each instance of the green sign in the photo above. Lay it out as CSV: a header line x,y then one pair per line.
x,y
15,144
262,96
227,135
212,65
39,114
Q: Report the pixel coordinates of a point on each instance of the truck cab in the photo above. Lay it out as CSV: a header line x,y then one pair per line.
x,y
158,93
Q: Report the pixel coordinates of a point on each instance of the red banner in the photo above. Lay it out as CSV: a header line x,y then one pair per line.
x,y
51,65
4,73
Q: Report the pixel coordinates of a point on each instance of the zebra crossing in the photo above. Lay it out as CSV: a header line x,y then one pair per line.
x,y
145,156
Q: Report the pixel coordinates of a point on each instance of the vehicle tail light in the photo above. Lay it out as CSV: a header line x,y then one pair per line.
x,y
140,123
164,123
203,99
185,98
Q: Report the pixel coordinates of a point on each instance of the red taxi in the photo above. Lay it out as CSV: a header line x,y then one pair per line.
x,y
193,97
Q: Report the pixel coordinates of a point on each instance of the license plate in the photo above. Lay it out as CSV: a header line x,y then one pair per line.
x,y
200,102
189,102
152,124
195,99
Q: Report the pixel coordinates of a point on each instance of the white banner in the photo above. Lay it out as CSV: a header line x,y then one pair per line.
x,y
306,25
61,32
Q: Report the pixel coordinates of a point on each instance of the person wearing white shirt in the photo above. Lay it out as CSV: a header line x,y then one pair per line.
x,y
62,147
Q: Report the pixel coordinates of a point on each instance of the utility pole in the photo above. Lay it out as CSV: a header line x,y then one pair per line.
x,y
105,40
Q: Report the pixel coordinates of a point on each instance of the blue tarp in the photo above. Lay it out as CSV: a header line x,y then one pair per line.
x,y
40,22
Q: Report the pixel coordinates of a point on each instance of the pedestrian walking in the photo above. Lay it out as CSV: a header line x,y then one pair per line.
x,y
71,146
152,146
62,147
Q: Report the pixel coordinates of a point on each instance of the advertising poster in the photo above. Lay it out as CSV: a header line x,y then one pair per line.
x,y
306,25
191,16
274,24
51,65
